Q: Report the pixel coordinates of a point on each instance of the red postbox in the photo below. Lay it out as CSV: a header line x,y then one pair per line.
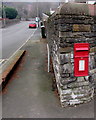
x,y
81,59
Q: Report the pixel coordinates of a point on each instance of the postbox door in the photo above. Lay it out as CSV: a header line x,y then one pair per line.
x,y
81,59
81,66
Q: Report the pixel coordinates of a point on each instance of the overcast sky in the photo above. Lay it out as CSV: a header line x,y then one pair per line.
x,y
41,0
32,0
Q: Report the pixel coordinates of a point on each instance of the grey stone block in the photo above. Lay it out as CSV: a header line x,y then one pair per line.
x,y
63,30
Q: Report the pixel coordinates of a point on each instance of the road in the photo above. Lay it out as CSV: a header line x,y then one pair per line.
x,y
13,37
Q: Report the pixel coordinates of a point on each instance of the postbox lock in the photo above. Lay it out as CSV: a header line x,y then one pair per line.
x,y
81,59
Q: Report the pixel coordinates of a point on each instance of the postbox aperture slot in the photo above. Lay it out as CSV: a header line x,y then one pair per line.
x,y
81,49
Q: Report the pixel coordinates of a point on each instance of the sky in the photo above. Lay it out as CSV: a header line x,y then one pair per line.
x,y
91,2
42,0
31,0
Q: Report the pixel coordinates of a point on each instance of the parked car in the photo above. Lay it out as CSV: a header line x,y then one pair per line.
x,y
32,25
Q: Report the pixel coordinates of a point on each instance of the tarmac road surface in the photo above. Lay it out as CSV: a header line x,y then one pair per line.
x,y
13,37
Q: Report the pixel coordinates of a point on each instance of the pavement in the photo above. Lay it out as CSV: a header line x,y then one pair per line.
x,y
29,94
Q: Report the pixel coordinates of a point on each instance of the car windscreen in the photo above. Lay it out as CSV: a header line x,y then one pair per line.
x,y
32,23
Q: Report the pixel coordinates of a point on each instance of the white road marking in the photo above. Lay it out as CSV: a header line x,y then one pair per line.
x,y
2,61
22,44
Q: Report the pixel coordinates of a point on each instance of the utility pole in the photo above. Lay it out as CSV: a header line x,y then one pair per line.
x,y
2,9
37,15
3,15
37,8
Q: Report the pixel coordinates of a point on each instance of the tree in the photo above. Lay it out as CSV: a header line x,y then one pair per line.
x,y
11,13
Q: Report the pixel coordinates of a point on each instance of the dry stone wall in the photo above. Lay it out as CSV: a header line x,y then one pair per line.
x,y
8,22
68,25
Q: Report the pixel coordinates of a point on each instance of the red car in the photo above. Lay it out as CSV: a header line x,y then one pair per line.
x,y
32,25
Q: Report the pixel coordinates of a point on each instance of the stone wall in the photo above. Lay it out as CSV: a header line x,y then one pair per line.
x,y
68,25
9,22
0,24
95,41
